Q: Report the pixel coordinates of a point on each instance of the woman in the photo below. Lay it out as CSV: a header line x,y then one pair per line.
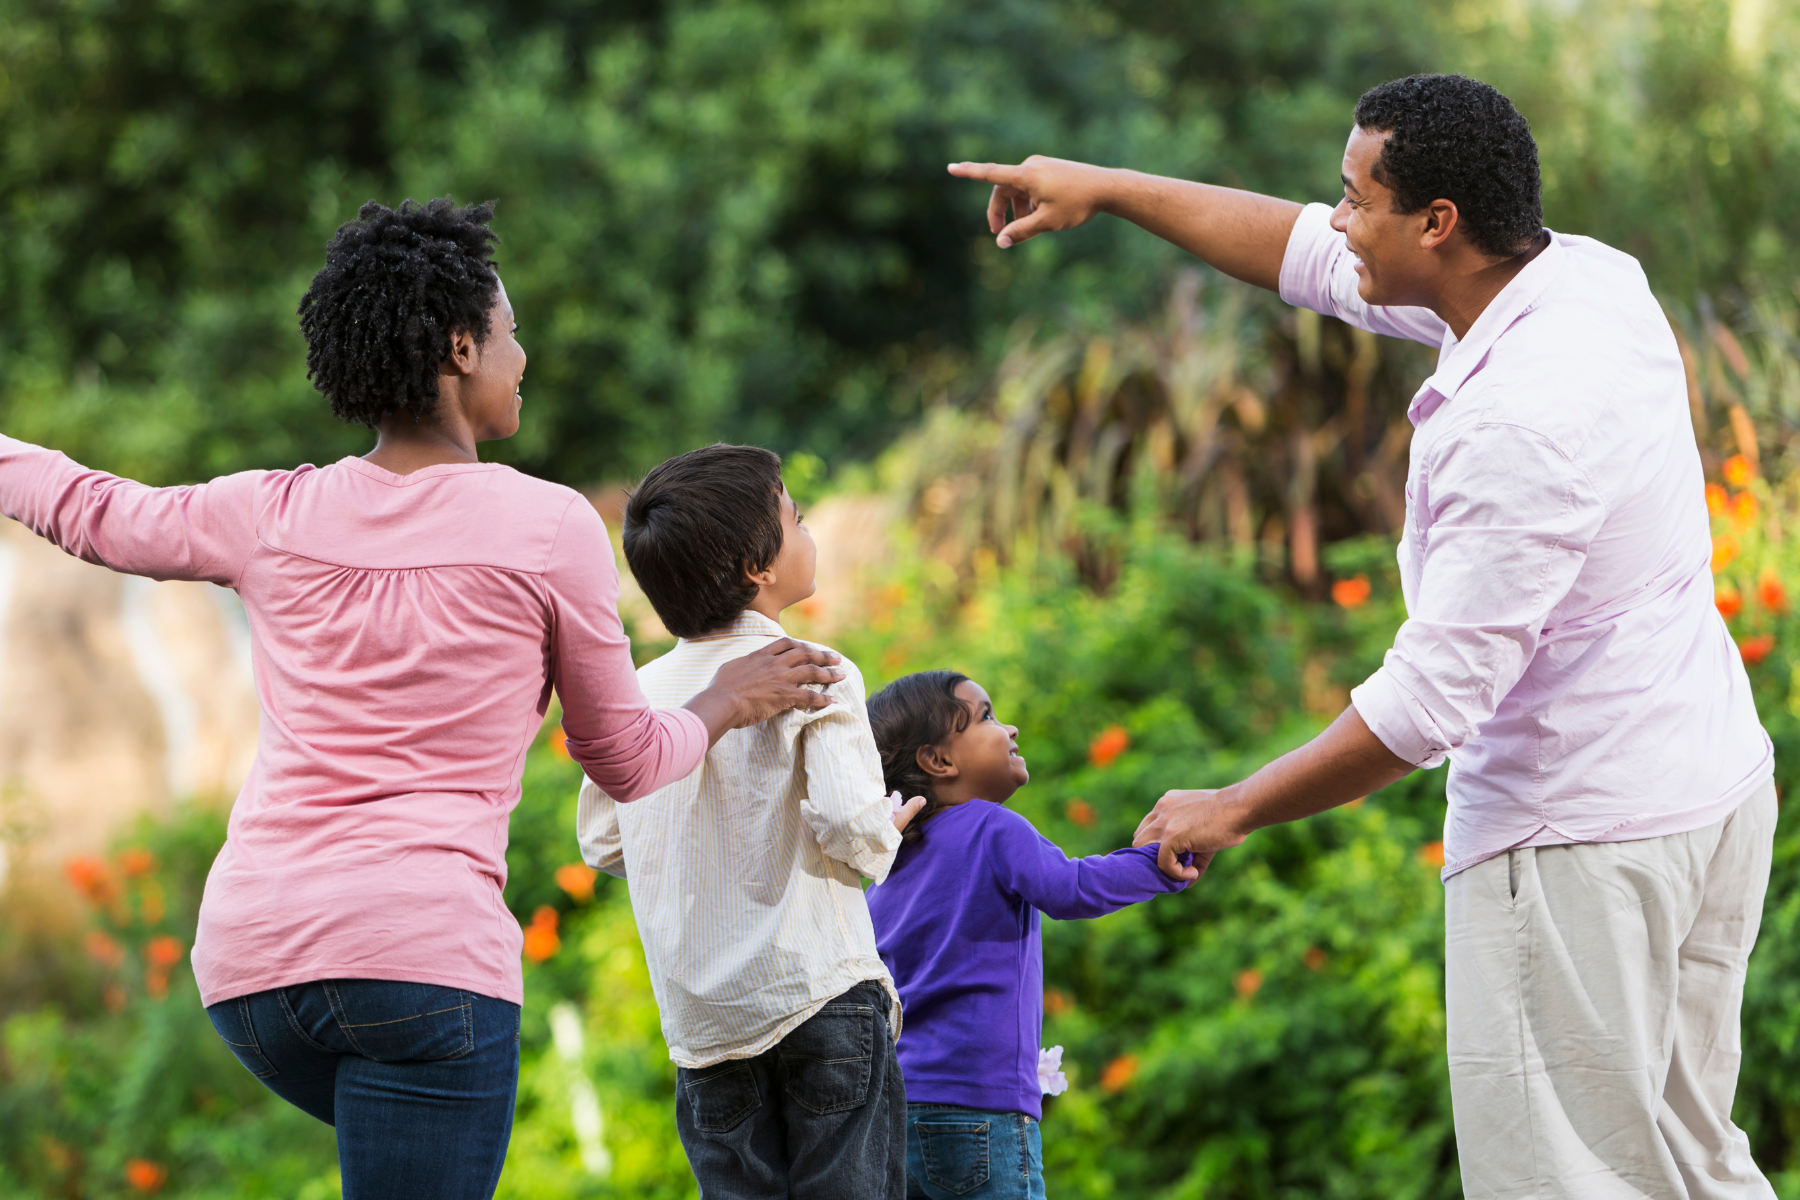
x,y
410,612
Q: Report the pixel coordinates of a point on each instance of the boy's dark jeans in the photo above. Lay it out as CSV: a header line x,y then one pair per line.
x,y
820,1115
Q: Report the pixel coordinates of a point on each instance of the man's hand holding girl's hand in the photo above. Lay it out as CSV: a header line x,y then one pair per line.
x,y
1197,822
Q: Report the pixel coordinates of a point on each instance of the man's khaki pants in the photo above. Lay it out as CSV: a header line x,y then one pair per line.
x,y
1593,995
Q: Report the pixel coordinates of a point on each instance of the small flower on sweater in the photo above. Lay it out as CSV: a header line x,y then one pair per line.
x,y
1051,1079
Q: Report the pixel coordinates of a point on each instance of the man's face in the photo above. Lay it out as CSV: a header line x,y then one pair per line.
x,y
1392,264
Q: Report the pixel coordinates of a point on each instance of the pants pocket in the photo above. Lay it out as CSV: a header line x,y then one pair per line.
x,y
720,1097
403,1022
827,1060
955,1150
232,1020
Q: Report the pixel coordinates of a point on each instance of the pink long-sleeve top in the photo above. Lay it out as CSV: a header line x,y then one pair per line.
x,y
406,633
1561,646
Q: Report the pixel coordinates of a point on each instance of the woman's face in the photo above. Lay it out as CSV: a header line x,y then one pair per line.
x,y
488,392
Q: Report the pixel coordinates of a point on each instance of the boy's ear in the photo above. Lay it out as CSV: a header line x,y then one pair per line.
x,y
935,764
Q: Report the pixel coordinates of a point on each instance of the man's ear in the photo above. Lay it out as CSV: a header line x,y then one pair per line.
x,y
464,355
1441,220
934,763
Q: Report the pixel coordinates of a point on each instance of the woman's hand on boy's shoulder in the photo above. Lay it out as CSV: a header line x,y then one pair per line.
x,y
765,683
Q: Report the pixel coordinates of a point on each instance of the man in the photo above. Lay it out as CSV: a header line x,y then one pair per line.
x,y
1611,797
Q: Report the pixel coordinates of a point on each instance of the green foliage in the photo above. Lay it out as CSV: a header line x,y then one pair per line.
x,y
729,218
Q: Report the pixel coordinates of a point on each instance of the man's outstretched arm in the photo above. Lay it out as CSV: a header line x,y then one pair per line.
x,y
1341,764
1243,234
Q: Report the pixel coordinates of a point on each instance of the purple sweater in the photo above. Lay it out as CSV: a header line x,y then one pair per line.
x,y
957,925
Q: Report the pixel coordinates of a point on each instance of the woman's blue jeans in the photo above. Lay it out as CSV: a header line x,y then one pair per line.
x,y
419,1080
956,1153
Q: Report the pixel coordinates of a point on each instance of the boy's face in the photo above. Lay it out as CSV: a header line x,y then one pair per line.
x,y
986,758
789,579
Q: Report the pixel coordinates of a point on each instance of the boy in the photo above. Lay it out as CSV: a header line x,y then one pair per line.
x,y
777,1010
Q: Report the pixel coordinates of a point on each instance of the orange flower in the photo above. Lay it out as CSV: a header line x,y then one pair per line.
x,y
1057,1003
540,936
163,952
1247,982
1119,1073
1106,748
114,997
156,982
137,861
559,744
1432,854
1743,511
894,595
1754,649
1351,593
1771,593
92,879
1727,600
1737,471
1080,812
1315,958
1715,499
1725,548
144,1175
577,879
107,952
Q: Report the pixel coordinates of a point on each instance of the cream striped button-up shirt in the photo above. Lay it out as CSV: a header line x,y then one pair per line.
x,y
745,876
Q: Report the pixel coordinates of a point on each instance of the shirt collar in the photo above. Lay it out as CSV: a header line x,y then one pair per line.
x,y
1458,360
748,623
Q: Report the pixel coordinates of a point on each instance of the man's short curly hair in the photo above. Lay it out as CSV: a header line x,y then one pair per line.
x,y
396,285
1455,138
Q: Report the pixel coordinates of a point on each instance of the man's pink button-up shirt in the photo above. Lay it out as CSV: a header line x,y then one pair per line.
x,y
1561,647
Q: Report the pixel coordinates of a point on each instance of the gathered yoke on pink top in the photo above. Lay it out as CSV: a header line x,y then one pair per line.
x,y
406,633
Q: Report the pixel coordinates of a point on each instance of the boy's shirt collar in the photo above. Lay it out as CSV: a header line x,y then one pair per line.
x,y
748,623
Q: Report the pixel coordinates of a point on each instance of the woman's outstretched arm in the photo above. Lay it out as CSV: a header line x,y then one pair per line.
x,y
206,531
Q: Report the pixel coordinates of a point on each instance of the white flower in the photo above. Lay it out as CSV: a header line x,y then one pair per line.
x,y
1051,1080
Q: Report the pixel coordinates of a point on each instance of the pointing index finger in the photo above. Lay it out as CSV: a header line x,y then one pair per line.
x,y
989,172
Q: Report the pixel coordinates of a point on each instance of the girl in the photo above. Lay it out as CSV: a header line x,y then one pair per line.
x,y
957,924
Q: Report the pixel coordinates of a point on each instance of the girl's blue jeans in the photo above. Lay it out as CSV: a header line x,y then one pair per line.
x,y
955,1153
418,1079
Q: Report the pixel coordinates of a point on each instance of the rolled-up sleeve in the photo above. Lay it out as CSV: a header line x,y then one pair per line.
x,y
1511,519
1319,272
626,747
846,804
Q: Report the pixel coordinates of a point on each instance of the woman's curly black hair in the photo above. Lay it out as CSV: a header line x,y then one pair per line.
x,y
396,285
1455,138
915,710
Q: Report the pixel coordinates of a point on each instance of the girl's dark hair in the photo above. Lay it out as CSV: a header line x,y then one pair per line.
x,y
397,284
913,711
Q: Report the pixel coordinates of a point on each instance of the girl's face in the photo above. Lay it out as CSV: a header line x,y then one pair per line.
x,y
982,762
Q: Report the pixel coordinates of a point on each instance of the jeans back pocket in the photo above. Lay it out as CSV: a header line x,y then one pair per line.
x,y
721,1097
232,1019
828,1059
403,1022
955,1150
